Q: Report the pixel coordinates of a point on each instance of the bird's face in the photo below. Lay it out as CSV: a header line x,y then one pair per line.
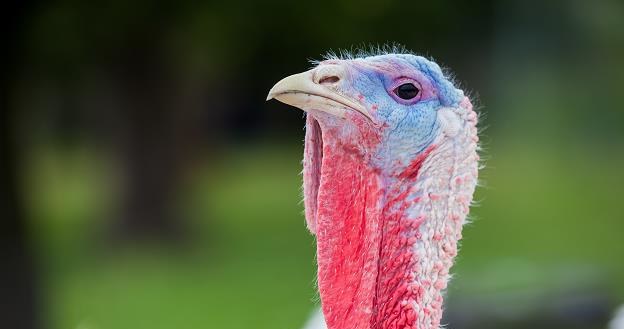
x,y
387,108
389,169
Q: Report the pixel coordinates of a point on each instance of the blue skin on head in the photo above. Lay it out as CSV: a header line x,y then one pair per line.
x,y
409,126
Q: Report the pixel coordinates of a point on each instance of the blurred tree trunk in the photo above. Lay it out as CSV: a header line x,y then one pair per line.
x,y
19,304
18,298
153,139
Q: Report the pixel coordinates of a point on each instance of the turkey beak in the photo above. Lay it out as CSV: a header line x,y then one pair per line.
x,y
317,89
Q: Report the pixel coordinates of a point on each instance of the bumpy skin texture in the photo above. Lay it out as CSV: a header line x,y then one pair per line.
x,y
387,197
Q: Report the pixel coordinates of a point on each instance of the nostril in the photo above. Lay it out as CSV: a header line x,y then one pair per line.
x,y
328,75
329,80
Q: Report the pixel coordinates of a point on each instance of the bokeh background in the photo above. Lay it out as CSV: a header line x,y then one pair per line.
x,y
147,184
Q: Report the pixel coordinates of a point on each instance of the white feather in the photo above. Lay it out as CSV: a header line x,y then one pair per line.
x,y
317,321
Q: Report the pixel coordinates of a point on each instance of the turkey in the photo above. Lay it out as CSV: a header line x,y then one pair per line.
x,y
390,166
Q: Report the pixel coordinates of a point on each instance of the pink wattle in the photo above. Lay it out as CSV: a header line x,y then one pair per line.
x,y
348,235
366,261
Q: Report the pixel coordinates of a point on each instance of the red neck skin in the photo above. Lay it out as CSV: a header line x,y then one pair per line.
x,y
348,240
366,262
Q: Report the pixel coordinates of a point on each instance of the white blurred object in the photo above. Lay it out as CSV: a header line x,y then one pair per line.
x,y
618,319
317,321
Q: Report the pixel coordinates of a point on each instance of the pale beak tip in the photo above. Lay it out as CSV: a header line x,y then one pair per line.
x,y
272,93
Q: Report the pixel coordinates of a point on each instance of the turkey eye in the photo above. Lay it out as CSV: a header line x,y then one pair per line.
x,y
407,91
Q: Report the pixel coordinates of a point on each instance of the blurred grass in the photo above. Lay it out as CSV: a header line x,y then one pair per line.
x,y
253,263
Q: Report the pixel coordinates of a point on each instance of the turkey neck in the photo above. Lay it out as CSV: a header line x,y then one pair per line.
x,y
385,242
